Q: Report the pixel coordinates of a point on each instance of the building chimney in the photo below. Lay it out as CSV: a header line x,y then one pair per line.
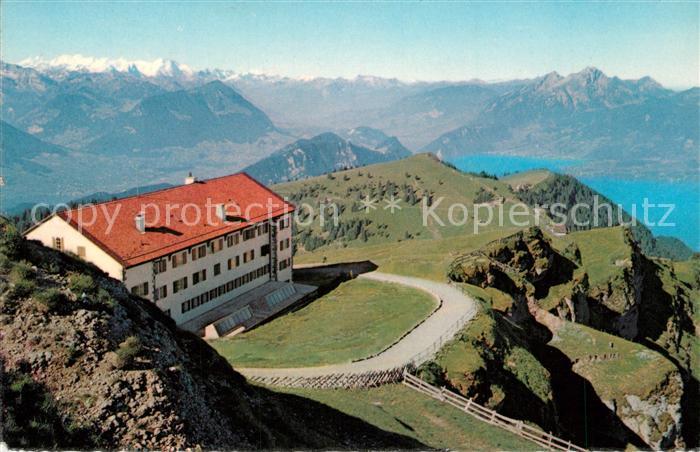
x,y
221,212
140,223
190,179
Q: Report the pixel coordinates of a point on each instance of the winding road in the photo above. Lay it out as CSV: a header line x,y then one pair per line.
x,y
416,347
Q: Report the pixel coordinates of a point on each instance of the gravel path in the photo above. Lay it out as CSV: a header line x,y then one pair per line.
x,y
416,347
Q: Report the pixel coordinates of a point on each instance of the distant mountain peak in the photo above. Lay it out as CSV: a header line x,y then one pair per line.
x,y
81,63
321,154
549,81
592,72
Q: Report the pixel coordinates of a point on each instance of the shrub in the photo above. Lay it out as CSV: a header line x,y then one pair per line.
x,y
431,373
5,262
11,241
82,284
573,253
104,298
51,298
483,196
72,354
31,418
22,289
127,352
21,271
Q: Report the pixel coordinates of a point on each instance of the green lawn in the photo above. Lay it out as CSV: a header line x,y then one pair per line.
x,y
428,259
601,249
359,318
402,410
638,370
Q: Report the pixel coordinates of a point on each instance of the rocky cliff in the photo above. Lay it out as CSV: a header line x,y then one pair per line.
x,y
594,292
87,365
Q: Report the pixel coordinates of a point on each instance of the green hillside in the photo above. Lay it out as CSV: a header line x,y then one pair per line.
x,y
398,409
556,309
542,187
415,182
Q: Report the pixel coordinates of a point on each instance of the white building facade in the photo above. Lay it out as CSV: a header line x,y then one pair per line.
x,y
190,282
186,270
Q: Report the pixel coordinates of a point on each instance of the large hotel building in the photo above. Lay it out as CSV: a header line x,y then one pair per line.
x,y
215,255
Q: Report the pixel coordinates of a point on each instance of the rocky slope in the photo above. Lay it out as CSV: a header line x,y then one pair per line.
x,y
87,365
594,312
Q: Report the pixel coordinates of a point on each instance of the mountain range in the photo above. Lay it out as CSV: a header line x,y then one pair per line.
x,y
151,122
587,115
326,153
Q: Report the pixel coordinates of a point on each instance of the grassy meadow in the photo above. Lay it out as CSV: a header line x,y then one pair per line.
x,y
397,408
356,320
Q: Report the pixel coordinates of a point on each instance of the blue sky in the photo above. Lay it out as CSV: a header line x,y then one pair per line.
x,y
407,40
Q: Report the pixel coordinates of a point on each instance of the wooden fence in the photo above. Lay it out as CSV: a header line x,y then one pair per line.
x,y
368,379
541,438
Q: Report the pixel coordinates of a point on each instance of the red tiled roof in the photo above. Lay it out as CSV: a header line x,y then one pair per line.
x,y
171,218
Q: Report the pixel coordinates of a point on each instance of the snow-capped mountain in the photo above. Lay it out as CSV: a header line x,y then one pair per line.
x,y
80,63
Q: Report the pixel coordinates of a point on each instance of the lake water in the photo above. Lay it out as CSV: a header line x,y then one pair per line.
x,y
685,196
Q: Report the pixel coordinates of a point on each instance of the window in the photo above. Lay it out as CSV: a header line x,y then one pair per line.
x,y
265,250
81,251
161,292
179,259
141,290
234,262
266,228
160,266
284,223
180,284
248,234
58,243
233,239
259,229
285,263
284,244
199,276
248,256
199,252
216,245
217,269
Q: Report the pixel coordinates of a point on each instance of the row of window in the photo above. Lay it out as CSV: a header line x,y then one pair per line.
x,y
199,276
57,243
225,288
214,246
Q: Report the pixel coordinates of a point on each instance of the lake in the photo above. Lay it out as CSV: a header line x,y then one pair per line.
x,y
685,196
